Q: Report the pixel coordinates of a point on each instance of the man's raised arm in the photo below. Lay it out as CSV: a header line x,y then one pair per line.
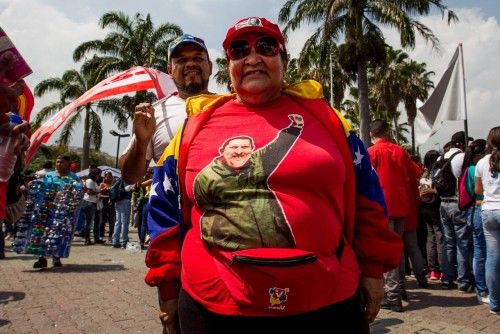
x,y
133,163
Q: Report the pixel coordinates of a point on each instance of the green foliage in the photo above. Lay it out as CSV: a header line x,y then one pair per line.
x,y
222,77
50,152
358,22
132,41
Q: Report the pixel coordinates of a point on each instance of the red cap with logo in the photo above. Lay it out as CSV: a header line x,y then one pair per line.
x,y
257,24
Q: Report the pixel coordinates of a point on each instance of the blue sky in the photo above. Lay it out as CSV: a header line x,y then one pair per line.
x,y
46,33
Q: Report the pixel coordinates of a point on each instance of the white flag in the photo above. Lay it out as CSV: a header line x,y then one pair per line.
x,y
446,102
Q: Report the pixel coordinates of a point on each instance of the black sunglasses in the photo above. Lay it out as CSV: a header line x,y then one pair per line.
x,y
264,46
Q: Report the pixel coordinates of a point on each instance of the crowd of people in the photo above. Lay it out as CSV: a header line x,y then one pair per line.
x,y
442,202
105,199
262,195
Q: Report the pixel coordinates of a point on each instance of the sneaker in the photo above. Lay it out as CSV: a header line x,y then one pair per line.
x,y
435,275
497,312
41,263
395,307
57,264
116,246
465,288
98,241
2,255
484,300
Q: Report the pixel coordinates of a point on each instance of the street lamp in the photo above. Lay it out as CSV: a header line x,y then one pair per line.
x,y
439,147
119,135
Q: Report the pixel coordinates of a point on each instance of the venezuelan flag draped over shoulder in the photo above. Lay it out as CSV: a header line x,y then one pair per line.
x,y
134,79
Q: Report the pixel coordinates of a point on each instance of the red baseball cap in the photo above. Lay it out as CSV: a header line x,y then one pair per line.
x,y
257,24
73,167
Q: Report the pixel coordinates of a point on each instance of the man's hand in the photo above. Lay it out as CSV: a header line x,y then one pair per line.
x,y
144,122
372,290
168,315
427,192
22,130
297,120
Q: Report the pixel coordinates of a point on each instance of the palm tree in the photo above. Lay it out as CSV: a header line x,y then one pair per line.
x,y
357,20
132,42
386,83
222,77
416,86
319,61
350,109
70,86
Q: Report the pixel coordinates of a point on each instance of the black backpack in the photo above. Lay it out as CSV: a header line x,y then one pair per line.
x,y
443,179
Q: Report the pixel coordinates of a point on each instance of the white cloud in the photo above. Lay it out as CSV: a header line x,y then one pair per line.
x,y
45,36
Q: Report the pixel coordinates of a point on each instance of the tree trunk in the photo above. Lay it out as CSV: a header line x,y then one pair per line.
x,y
411,111
86,139
364,106
413,137
396,128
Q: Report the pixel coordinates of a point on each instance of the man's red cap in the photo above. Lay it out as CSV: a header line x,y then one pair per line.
x,y
73,167
257,24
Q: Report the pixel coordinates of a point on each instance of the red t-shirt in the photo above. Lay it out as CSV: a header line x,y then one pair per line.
x,y
394,167
293,174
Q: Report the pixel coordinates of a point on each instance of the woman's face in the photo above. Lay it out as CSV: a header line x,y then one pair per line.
x,y
108,177
256,78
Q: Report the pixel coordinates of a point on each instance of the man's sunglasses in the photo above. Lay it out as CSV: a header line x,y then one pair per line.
x,y
264,46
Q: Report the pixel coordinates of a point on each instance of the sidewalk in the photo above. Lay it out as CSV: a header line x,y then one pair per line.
x,y
100,289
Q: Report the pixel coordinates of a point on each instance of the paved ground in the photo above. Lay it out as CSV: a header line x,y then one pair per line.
x,y
100,289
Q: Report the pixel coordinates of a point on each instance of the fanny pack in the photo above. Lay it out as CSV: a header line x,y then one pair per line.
x,y
277,280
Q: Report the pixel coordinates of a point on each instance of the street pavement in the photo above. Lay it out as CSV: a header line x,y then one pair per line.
x,y
100,289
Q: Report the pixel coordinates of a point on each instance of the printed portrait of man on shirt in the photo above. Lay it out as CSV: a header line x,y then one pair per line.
x,y
241,211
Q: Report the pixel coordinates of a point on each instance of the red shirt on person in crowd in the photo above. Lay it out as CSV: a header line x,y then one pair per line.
x,y
395,171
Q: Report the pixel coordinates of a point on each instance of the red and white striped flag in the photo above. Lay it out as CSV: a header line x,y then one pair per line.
x,y
134,79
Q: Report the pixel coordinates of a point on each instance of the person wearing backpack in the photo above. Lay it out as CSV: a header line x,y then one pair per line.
x,y
470,202
457,234
487,183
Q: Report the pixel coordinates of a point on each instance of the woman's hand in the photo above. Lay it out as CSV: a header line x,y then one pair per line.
x,y
372,290
168,315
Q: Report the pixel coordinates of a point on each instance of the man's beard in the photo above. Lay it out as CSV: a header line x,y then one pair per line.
x,y
193,88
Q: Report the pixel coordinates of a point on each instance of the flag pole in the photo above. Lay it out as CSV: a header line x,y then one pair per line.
x,y
466,127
